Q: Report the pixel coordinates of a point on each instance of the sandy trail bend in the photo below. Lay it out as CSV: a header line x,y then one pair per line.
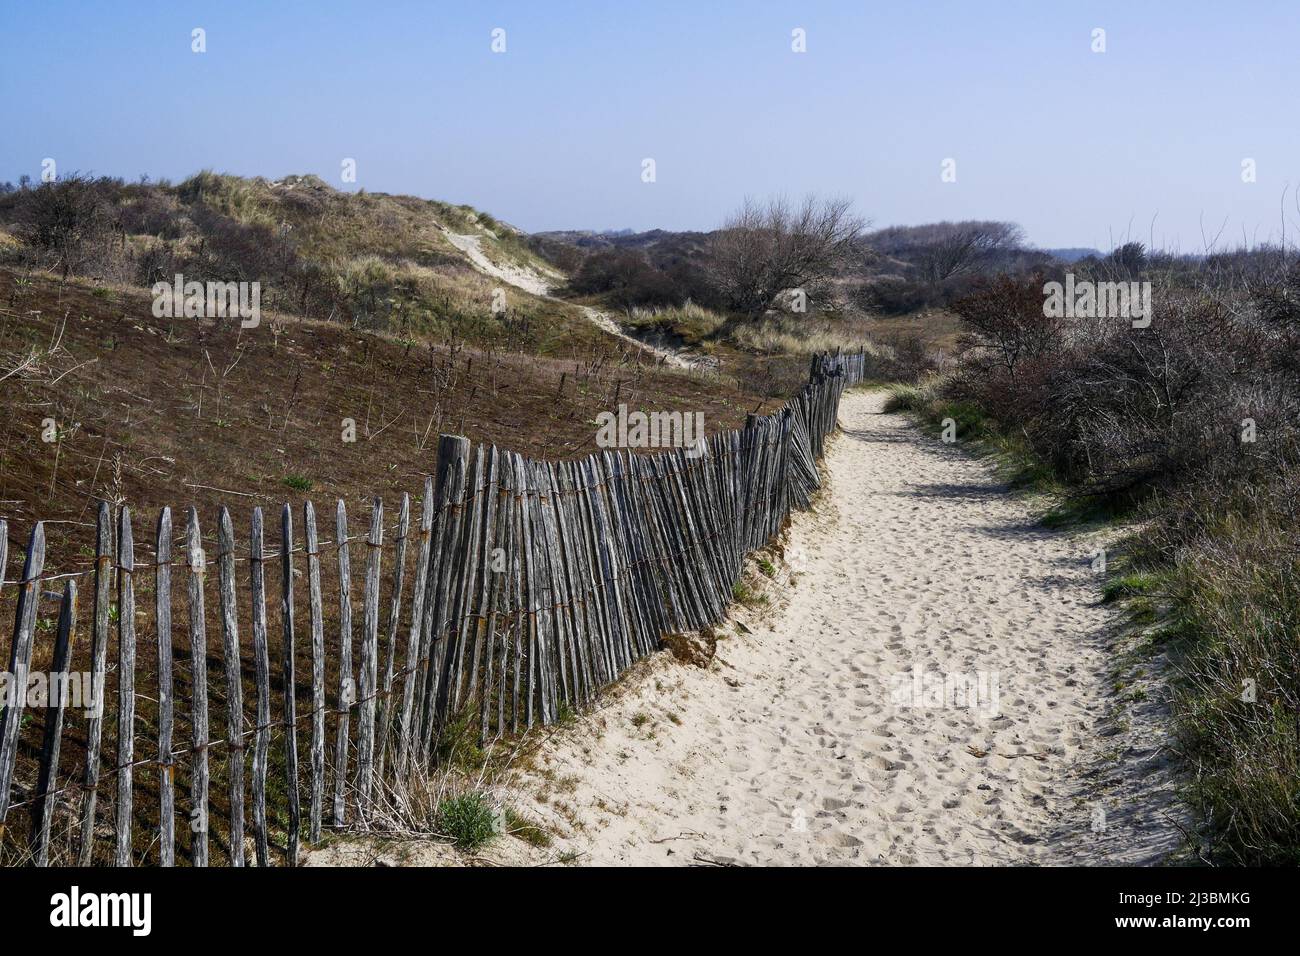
x,y
542,285
794,746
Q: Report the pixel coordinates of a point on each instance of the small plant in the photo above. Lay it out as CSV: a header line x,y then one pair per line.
x,y
468,820
640,719
298,482
747,595
767,567
457,744
529,832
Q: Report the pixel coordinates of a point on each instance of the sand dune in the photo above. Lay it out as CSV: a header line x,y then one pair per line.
x,y
828,734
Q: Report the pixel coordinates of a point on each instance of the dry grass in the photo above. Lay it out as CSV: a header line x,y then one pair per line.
x,y
159,411
368,260
938,330
689,324
803,335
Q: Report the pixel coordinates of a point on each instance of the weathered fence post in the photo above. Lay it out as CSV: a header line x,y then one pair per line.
x,y
197,564
444,571
166,710
317,675
369,670
47,778
420,602
347,688
125,689
394,619
287,646
20,662
262,676
234,685
98,668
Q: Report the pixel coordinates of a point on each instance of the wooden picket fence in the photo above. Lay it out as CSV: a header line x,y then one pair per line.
x,y
520,591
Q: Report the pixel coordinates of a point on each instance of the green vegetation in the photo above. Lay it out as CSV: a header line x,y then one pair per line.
x,y
747,595
469,820
457,746
1130,585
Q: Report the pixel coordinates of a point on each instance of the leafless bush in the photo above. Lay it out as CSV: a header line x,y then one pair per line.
x,y
1007,321
1123,410
959,246
942,250
66,220
906,358
626,277
765,249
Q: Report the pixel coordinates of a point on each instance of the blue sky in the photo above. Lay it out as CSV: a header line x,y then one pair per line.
x,y
1078,147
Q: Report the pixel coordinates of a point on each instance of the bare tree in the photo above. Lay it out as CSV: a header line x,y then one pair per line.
x,y
765,249
957,247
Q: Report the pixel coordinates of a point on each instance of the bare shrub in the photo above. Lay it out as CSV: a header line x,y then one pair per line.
x,y
765,249
66,220
1007,320
626,277
906,357
942,250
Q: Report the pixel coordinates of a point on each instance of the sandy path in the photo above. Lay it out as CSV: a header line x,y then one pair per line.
x,y
542,285
517,276
795,746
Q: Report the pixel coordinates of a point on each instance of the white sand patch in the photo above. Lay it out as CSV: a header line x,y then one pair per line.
x,y
674,358
517,276
540,285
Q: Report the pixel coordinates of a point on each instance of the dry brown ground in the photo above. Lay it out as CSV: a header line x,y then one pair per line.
x,y
155,412
152,412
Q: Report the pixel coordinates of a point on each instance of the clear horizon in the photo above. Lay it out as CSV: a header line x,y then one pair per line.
x,y
1082,149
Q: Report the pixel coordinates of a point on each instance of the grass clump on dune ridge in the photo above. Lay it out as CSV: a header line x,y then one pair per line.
x,y
689,323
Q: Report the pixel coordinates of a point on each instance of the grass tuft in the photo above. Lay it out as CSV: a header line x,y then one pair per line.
x,y
469,820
